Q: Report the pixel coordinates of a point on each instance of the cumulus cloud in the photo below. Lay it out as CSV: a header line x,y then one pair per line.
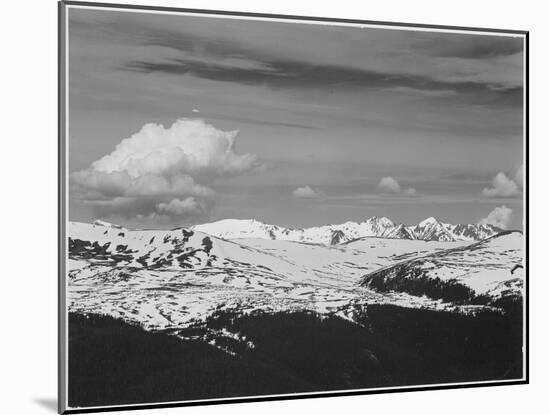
x,y
188,146
304,192
164,171
503,186
390,185
499,216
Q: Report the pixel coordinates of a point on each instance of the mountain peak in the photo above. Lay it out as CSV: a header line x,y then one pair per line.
x,y
428,221
382,221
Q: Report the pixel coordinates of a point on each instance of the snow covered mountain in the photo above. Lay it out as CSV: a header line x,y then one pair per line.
x,y
173,278
482,272
429,229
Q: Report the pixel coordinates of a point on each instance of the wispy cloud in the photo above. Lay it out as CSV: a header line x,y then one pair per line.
x,y
234,59
297,74
469,46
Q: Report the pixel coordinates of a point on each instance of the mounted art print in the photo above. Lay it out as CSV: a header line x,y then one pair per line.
x,y
258,207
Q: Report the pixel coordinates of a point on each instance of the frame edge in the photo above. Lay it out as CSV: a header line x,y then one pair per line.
x,y
63,408
61,302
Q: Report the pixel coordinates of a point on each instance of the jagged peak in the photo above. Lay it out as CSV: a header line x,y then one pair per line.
x,y
429,221
428,229
382,220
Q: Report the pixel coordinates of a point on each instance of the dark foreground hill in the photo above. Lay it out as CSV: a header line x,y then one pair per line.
x,y
112,362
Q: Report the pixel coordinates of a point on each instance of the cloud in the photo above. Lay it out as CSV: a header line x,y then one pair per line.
x,y
519,177
279,74
499,216
227,60
469,46
465,65
389,185
304,192
177,207
502,187
188,146
160,170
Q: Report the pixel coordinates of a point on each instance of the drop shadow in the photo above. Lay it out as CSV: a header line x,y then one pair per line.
x,y
48,403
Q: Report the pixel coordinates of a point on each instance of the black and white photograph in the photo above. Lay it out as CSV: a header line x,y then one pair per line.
x,y
267,207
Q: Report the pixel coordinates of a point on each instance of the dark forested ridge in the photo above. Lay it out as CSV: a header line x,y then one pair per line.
x,y
113,362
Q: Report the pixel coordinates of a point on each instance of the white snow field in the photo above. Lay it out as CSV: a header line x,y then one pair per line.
x,y
168,279
491,267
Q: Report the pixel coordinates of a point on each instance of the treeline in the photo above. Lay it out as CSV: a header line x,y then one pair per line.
x,y
112,362
416,282
390,346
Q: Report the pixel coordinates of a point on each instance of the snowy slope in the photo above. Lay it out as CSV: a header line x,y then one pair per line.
x,y
429,229
166,279
491,268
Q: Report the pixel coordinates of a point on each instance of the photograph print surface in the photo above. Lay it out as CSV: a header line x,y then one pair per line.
x,y
260,207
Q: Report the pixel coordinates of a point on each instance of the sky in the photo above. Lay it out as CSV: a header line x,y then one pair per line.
x,y
182,119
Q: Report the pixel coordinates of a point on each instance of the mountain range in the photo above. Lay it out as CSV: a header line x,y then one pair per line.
x,y
165,279
430,229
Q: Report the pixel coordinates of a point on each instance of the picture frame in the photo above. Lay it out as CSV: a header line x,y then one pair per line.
x,y
252,69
